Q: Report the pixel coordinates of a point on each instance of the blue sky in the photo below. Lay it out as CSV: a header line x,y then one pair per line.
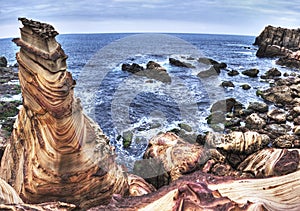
x,y
247,17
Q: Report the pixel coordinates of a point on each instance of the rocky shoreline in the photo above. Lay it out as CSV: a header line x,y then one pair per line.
x,y
247,162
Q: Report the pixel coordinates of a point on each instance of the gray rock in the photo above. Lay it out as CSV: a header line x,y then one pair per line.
x,y
3,61
227,84
179,63
251,72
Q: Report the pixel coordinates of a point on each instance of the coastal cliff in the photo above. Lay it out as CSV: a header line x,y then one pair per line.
x,y
280,42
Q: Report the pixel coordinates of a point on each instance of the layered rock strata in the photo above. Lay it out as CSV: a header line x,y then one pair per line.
x,y
280,42
56,152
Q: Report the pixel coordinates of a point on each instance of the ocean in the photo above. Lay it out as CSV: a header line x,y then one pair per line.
x,y
120,101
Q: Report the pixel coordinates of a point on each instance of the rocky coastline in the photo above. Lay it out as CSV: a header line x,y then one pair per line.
x,y
248,161
280,42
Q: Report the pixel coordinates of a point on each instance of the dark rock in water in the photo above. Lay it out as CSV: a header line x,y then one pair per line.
x,y
233,73
258,107
127,138
179,63
251,72
132,68
210,72
155,66
246,86
233,122
3,61
216,117
272,73
185,127
207,61
227,84
228,105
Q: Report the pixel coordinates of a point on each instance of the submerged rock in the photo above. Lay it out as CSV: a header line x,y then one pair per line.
x,y
251,72
246,86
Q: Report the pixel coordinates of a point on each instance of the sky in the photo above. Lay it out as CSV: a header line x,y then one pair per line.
x,y
244,17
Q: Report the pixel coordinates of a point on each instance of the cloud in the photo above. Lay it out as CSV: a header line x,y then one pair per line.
x,y
213,15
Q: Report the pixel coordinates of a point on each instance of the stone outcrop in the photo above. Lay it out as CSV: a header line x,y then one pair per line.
x,y
280,42
56,152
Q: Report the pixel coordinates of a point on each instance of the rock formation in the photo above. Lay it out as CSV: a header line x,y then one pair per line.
x,y
280,42
56,151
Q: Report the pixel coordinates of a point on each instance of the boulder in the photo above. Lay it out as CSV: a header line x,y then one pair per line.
x,y
272,73
155,66
3,61
179,63
251,72
227,84
254,121
290,60
233,73
260,107
132,68
277,115
278,94
246,86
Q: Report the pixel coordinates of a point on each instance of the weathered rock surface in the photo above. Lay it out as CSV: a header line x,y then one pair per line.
x,y
238,142
56,152
280,42
272,73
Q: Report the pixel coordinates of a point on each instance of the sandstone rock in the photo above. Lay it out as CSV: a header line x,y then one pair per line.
x,y
272,73
3,61
271,162
251,72
278,115
286,141
178,157
296,130
56,152
254,121
238,142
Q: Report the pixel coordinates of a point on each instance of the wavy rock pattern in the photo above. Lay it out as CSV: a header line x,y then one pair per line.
x,y
56,152
238,142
